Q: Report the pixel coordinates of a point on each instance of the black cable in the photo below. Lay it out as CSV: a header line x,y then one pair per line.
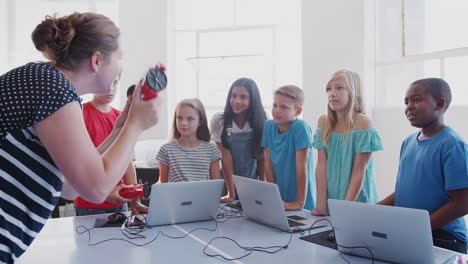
x,y
133,230
445,240
134,233
86,230
341,255
362,247
250,250
226,213
196,229
313,224
136,230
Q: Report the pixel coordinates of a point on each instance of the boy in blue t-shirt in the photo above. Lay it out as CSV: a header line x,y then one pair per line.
x,y
433,170
288,157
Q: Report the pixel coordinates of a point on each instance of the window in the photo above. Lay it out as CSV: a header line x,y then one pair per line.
x,y
25,15
419,39
433,25
217,42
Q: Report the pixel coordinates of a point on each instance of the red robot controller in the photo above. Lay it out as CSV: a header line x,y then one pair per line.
x,y
136,191
155,82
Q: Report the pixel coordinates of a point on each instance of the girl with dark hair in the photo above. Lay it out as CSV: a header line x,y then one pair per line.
x,y
238,134
45,150
190,156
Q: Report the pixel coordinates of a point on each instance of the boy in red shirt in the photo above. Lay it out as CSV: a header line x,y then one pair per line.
x,y
100,117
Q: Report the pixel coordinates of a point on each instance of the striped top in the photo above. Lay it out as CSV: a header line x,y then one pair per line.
x,y
30,183
188,164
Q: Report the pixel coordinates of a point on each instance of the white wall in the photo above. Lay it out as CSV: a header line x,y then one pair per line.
x,y
332,39
338,35
144,39
393,128
341,34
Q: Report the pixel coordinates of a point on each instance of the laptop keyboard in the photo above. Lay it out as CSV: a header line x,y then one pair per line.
x,y
293,223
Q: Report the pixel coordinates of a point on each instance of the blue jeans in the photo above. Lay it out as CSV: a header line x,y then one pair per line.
x,y
82,211
243,162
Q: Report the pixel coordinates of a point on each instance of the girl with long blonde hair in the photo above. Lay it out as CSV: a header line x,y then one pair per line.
x,y
345,140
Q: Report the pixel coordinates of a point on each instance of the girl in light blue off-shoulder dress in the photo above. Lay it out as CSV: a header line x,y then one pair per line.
x,y
345,140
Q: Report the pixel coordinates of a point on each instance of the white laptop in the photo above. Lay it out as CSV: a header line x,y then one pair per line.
x,y
393,234
182,202
261,202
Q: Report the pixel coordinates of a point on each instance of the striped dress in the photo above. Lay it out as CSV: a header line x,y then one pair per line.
x,y
188,164
30,183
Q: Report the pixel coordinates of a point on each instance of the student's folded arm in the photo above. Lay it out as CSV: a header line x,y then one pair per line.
x,y
226,162
389,200
269,172
358,172
322,184
214,170
163,173
66,139
452,210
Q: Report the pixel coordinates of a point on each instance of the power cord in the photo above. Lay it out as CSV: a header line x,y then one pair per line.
x,y
250,250
226,212
134,232
341,246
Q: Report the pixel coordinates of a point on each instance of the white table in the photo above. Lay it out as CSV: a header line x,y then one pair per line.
x,y
59,243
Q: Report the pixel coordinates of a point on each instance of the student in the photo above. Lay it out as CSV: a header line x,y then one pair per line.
x,y
433,169
45,150
288,156
100,117
189,156
345,140
238,132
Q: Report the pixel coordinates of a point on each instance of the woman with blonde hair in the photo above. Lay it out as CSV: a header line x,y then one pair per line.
x,y
345,140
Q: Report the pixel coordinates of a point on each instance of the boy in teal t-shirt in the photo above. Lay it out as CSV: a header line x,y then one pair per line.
x,y
288,156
